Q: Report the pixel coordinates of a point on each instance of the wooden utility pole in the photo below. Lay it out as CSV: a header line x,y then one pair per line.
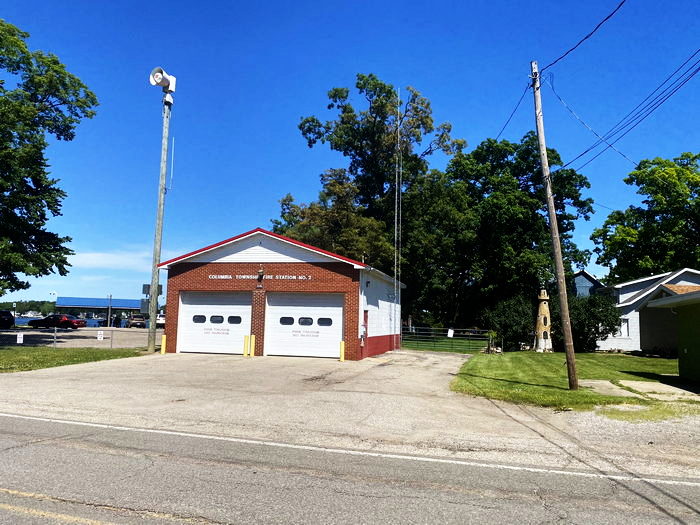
x,y
554,230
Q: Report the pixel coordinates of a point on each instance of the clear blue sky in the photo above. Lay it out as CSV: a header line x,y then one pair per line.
x,y
248,71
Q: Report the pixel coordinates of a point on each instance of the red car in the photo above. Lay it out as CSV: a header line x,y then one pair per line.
x,y
59,321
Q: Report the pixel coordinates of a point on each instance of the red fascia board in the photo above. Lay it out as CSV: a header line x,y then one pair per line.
x,y
271,234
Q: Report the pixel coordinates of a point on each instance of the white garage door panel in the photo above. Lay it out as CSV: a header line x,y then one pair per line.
x,y
313,340
211,337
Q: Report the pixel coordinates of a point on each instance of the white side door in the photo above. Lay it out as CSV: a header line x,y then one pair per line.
x,y
213,322
301,324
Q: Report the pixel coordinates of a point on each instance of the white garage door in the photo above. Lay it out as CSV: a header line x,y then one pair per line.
x,y
303,324
213,322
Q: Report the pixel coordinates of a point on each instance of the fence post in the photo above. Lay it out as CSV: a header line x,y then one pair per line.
x,y
111,340
54,338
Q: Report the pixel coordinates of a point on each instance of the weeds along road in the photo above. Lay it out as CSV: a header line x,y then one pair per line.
x,y
68,472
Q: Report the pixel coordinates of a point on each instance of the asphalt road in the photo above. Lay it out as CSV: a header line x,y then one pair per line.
x,y
66,472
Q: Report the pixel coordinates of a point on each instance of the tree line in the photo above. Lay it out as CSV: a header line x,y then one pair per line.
x,y
474,245
43,307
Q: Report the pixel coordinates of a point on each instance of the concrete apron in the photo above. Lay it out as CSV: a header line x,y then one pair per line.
x,y
398,402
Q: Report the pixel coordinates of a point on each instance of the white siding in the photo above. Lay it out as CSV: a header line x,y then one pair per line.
x,y
260,248
631,312
631,343
384,312
627,292
687,279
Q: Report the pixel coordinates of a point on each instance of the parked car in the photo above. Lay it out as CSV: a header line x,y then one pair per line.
x,y
7,320
136,321
59,321
160,321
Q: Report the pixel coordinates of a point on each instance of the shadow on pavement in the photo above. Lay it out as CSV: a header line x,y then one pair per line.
x,y
672,380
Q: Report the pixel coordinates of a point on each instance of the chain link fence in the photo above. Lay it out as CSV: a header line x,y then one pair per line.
x,y
81,338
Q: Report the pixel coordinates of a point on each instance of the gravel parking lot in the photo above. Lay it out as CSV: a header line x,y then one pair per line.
x,y
80,338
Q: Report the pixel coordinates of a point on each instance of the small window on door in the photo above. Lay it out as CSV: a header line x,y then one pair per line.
x,y
306,321
324,321
199,319
234,319
287,320
216,319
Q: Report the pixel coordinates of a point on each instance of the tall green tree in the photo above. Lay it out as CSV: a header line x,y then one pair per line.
x,y
477,235
368,137
663,234
337,223
593,318
38,98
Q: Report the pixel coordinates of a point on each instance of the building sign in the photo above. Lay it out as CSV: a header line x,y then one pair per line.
x,y
253,277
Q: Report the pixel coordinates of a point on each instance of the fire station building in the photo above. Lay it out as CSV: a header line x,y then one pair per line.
x,y
296,299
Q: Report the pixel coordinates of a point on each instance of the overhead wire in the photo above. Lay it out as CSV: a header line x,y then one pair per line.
x,y
527,86
550,83
517,105
642,110
628,124
589,35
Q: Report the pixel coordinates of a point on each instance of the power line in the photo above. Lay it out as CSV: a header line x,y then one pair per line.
x,y
633,114
640,119
645,108
527,86
550,82
589,35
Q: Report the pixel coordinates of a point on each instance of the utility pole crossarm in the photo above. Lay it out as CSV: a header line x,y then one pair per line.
x,y
554,231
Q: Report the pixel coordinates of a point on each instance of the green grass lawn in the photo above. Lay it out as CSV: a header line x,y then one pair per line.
x,y
21,358
541,379
444,344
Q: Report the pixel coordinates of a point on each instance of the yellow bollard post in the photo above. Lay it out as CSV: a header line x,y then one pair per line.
x,y
342,351
252,345
246,345
162,344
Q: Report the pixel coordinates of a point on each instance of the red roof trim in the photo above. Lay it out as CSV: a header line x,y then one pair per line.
x,y
265,232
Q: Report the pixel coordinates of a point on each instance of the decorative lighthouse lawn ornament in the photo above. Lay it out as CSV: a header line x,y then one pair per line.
x,y
543,339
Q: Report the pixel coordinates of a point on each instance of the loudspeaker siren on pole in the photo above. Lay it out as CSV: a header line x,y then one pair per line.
x,y
160,78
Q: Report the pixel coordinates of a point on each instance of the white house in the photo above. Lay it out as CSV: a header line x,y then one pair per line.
x,y
645,328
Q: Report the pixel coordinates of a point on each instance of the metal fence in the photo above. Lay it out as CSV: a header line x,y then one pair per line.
x,y
81,338
463,340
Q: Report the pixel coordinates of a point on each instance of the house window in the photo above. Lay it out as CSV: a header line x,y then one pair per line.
x,y
545,335
624,330
544,321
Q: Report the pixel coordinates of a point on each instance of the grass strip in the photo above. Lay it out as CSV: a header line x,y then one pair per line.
x,y
540,379
23,358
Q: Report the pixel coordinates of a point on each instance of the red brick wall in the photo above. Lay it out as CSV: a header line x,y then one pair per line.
x,y
380,344
324,278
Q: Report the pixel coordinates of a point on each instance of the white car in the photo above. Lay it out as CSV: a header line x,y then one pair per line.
x,y
160,321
